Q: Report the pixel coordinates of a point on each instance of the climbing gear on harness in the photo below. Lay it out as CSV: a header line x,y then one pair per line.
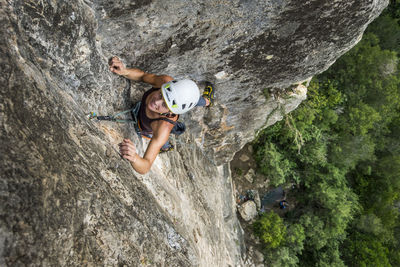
x,y
167,149
113,118
91,115
180,96
209,93
179,128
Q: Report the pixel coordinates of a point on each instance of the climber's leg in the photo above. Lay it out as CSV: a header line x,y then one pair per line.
x,y
208,96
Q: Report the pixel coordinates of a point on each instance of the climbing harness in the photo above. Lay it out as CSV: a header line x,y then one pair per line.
x,y
177,130
179,127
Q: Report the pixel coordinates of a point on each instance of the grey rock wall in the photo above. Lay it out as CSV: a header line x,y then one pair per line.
x,y
67,198
244,47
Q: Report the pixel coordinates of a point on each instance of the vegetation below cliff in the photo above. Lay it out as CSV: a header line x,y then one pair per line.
x,y
341,148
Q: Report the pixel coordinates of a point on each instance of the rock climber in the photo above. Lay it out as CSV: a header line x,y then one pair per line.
x,y
159,110
283,204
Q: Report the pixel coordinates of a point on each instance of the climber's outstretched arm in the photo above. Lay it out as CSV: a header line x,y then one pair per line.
x,y
134,74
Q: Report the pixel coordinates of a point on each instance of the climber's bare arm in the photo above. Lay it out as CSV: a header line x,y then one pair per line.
x,y
134,74
143,165
128,151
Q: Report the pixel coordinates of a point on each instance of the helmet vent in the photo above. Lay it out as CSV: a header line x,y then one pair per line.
x,y
168,89
174,81
190,105
173,102
183,106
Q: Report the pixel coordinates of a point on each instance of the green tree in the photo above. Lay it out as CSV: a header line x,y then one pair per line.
x,y
387,30
286,254
273,164
348,150
365,250
342,149
295,238
270,229
281,257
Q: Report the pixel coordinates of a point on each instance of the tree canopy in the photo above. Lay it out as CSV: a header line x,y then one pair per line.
x,y
341,148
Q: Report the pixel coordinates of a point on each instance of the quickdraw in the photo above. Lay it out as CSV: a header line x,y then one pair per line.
x,y
134,111
114,118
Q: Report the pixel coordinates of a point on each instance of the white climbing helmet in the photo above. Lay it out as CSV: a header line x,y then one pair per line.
x,y
180,96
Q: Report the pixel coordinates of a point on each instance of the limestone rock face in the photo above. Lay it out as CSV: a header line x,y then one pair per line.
x,y
66,196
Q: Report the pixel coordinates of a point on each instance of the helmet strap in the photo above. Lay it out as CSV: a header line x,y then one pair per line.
x,y
168,115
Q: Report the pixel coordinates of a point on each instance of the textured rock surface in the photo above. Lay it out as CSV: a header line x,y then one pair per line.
x,y
67,198
248,210
249,176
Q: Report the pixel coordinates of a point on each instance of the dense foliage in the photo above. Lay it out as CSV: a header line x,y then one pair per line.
x,y
341,148
270,229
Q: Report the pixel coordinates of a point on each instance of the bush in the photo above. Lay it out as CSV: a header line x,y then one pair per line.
x,y
273,164
270,229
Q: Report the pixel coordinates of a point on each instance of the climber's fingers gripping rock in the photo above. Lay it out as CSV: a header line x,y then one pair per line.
x,y
128,150
116,66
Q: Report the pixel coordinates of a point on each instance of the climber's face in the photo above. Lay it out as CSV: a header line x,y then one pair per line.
x,y
156,103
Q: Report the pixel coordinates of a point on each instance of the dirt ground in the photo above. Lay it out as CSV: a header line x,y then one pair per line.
x,y
240,166
242,163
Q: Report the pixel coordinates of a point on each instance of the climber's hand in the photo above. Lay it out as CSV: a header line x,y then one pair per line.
x,y
116,66
128,150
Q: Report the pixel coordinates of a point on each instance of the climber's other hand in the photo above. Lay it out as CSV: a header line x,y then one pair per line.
x,y
128,150
116,66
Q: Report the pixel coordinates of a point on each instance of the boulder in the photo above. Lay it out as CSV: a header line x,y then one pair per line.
x,y
248,210
257,199
249,176
258,257
244,158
